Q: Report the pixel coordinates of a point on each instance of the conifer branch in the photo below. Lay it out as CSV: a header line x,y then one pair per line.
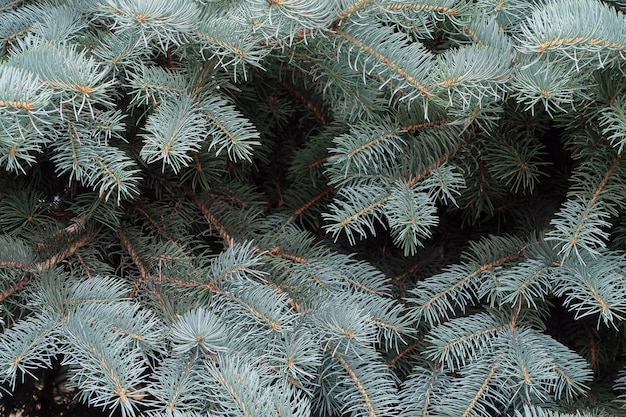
x,y
406,351
15,287
416,6
228,196
10,4
69,251
365,210
594,198
271,324
213,283
314,200
474,273
156,226
317,112
213,222
579,223
429,391
144,274
230,130
292,303
353,8
275,251
419,126
472,34
319,162
371,410
17,264
235,395
83,264
468,339
155,117
442,159
393,66
483,387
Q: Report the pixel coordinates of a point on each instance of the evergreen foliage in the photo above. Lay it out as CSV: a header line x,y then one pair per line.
x,y
315,207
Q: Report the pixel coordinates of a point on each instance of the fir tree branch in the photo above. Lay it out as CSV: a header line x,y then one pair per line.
x,y
582,31
187,373
371,410
424,125
430,390
440,295
319,162
210,218
442,159
594,198
353,214
275,251
83,264
395,6
292,303
144,274
313,201
472,34
185,283
230,130
317,112
578,225
406,351
197,162
480,392
388,62
468,277
230,271
67,252
271,324
253,314
227,196
27,345
9,37
15,287
10,4
157,226
18,264
352,9
110,383
235,395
